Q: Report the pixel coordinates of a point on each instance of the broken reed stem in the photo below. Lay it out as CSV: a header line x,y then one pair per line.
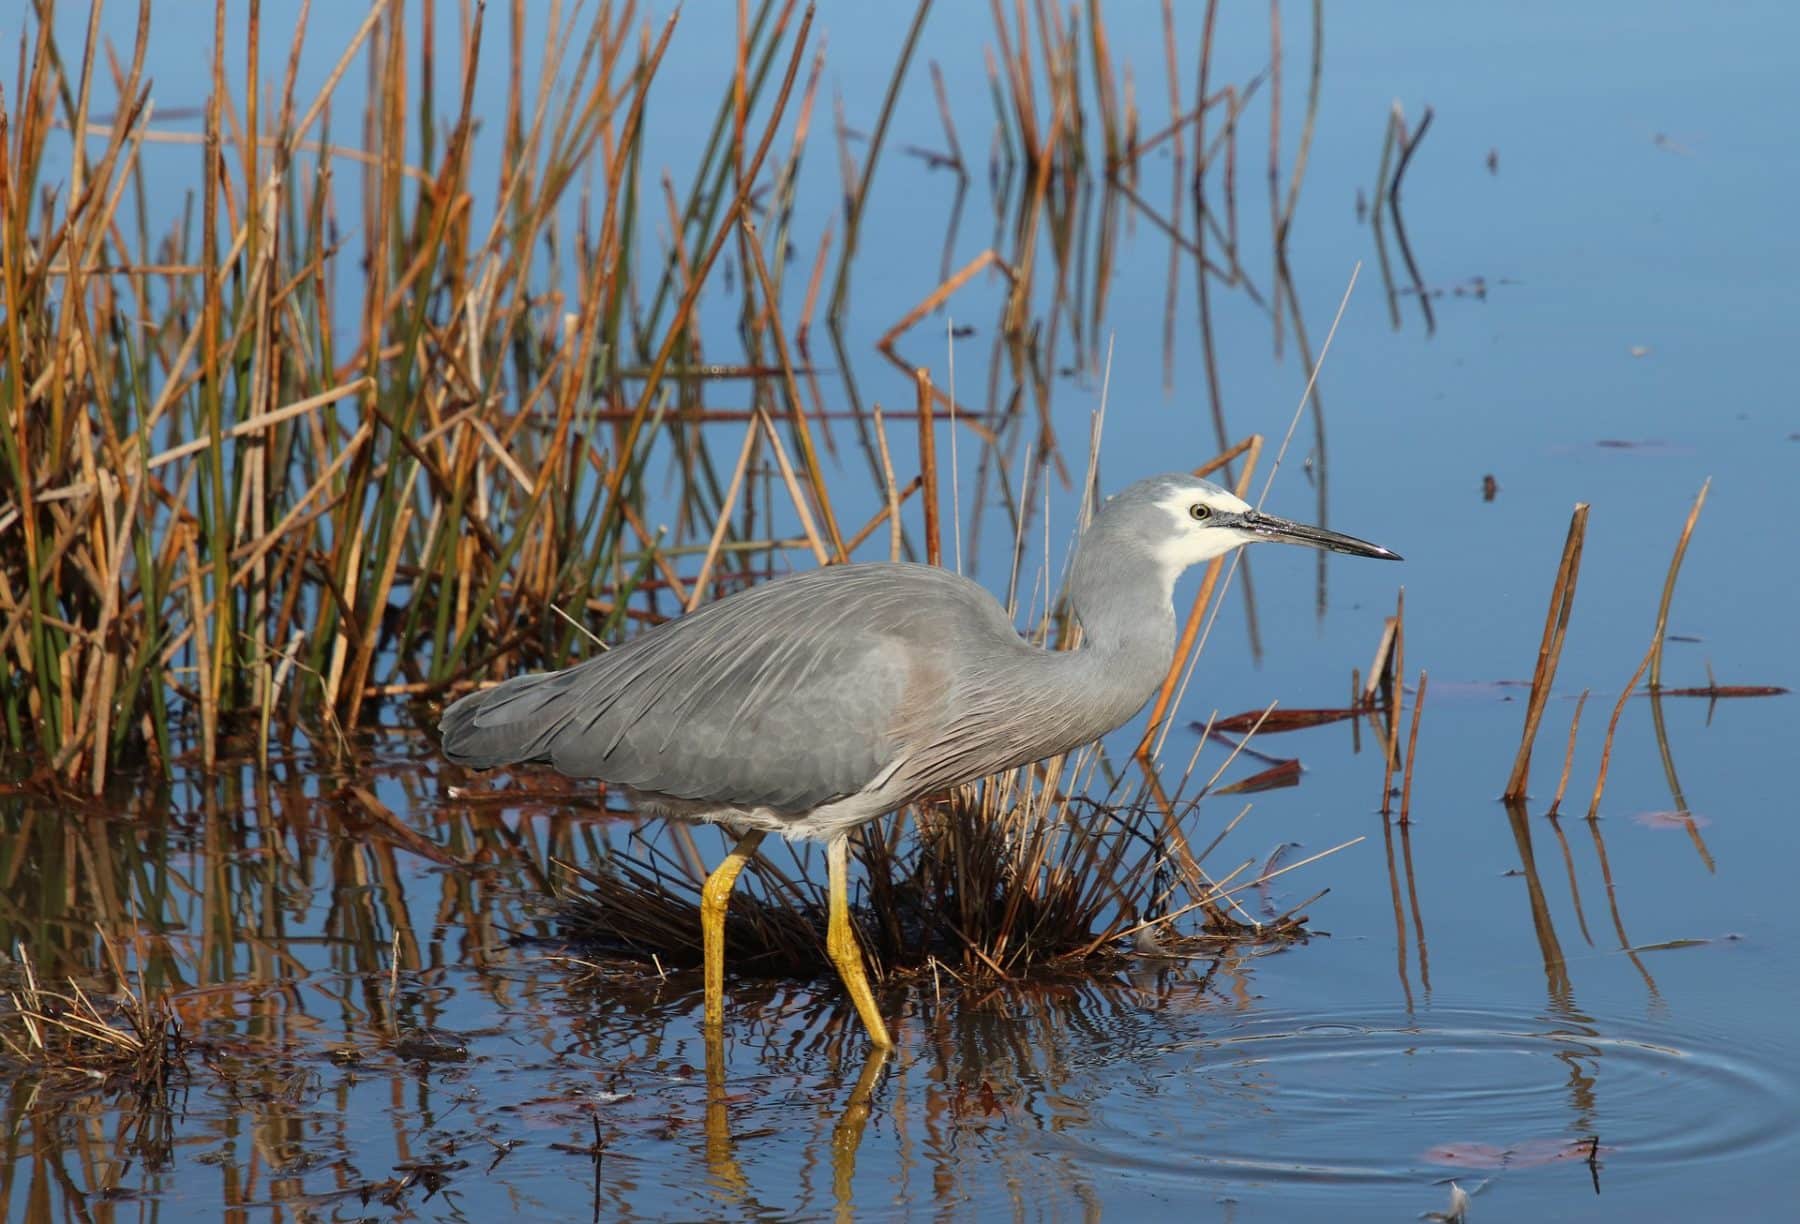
x,y
934,548
1556,626
1380,667
1562,783
1412,746
1668,591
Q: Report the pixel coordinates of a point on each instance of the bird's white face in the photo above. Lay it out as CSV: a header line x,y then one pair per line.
x,y
1204,527
1205,521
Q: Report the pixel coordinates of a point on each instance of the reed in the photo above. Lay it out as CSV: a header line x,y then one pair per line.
x,y
1556,627
1412,747
1652,659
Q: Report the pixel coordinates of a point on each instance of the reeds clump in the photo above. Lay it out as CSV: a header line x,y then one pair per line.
x,y
345,425
232,505
123,1041
993,884
356,427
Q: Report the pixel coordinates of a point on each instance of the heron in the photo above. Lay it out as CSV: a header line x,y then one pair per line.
x,y
813,703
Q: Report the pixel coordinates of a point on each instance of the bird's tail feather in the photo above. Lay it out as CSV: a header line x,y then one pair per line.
x,y
509,724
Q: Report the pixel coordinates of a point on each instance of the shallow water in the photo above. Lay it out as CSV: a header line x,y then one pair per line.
x,y
1571,1020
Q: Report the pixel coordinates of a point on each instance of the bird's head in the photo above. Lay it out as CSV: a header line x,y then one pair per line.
x,y
1183,521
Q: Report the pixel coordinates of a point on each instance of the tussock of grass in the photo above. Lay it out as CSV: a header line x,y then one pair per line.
x,y
990,887
121,1041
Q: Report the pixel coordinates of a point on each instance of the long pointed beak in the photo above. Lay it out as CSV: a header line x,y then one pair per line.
x,y
1286,531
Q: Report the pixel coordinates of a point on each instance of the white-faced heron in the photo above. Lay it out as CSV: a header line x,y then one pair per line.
x,y
812,703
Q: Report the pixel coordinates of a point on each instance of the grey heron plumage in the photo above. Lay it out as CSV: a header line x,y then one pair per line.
x,y
812,703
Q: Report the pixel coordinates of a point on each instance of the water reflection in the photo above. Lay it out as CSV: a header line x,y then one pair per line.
x,y
1555,962
365,1028
1676,795
373,1015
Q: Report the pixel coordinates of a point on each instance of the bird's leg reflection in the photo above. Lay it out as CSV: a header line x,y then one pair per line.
x,y
721,1150
714,897
848,1134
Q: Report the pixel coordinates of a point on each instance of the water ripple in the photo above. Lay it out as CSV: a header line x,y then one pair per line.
x,y
1375,1098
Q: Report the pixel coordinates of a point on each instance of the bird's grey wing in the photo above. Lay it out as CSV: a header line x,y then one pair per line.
x,y
788,696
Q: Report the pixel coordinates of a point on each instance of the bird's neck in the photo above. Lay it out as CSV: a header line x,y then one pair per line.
x,y
1128,642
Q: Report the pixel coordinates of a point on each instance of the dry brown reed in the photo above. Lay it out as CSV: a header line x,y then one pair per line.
x,y
123,1038
1412,749
1612,727
1651,655
1668,592
1556,627
234,508
1396,694
1562,782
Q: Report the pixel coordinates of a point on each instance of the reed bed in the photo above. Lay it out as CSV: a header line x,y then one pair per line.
x,y
363,427
360,429
232,509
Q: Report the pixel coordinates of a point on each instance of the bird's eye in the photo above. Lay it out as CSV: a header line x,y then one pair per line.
x,y
1199,512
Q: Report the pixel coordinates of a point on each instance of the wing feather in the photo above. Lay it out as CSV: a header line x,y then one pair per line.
x,y
789,695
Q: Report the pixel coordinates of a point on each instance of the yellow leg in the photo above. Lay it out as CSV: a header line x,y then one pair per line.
x,y
840,944
714,897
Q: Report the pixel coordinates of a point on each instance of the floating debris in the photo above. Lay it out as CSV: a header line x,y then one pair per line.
x,y
1275,777
1531,1154
1279,720
1457,1212
1671,820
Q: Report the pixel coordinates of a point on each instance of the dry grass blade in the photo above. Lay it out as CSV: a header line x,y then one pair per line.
x,y
1668,591
1651,655
1562,782
1412,747
1612,727
1220,893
